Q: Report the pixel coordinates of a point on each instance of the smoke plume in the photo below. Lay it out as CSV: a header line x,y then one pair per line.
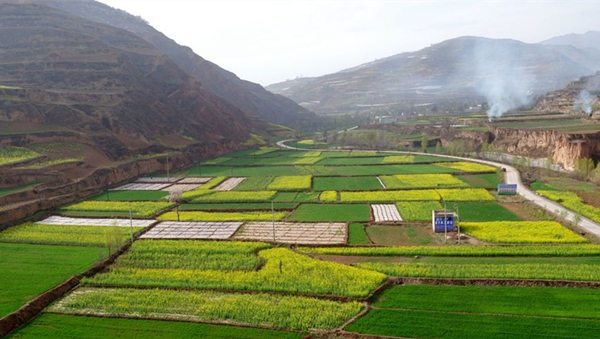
x,y
588,94
502,77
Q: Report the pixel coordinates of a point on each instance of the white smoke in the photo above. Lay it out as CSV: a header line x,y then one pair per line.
x,y
588,94
584,101
502,77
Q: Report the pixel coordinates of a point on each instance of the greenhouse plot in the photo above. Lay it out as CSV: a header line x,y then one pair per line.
x,y
386,213
158,180
294,233
229,184
181,188
192,230
141,187
67,221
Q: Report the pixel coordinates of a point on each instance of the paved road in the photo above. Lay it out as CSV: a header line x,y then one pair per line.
x,y
512,176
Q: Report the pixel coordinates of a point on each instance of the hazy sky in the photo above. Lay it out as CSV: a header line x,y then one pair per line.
x,y
271,41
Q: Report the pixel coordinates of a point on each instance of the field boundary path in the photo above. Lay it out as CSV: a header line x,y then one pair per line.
x,y
512,176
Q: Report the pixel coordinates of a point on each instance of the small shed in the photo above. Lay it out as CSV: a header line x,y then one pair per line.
x,y
442,220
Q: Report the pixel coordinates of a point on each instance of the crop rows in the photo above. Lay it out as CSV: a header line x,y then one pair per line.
x,y
234,196
573,202
284,271
229,184
521,232
222,216
571,272
464,251
10,154
385,212
139,209
417,210
422,181
288,312
65,235
399,159
464,166
291,183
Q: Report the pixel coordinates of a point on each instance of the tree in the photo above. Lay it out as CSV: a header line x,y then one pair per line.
x,y
424,142
438,148
584,167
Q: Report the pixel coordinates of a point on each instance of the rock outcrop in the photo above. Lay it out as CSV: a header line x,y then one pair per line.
x,y
581,97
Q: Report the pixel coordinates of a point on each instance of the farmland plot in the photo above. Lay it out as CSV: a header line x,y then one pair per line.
x,y
229,184
521,232
158,180
294,233
66,221
297,313
181,188
346,183
223,216
422,181
331,212
65,235
194,180
192,230
141,187
385,213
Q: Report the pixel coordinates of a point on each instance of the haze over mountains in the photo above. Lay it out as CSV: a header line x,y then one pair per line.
x,y
451,76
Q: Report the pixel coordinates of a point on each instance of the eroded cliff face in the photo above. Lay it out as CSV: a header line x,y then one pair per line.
x,y
565,149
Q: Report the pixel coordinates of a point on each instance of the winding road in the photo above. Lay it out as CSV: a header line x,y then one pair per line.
x,y
511,176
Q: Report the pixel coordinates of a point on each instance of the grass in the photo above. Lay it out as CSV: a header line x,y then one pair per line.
x,y
331,212
534,301
16,189
521,232
28,270
238,207
130,196
222,216
74,327
254,184
346,183
31,233
447,325
283,271
357,235
483,211
487,181
402,236
289,312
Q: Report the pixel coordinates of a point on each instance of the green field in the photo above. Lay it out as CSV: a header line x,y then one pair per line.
x,y
346,184
352,161
488,181
483,211
75,327
449,325
28,270
357,235
331,212
15,189
254,184
540,301
130,196
402,236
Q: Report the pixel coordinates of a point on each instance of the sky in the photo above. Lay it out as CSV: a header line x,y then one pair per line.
x,y
272,41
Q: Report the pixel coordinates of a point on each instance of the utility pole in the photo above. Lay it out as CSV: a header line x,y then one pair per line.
x,y
130,222
273,219
168,174
457,221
